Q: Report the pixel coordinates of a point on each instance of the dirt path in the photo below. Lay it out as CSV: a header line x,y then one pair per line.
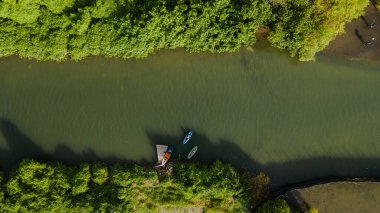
x,y
350,43
338,197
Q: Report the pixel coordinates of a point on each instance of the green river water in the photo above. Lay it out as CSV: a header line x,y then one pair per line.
x,y
259,110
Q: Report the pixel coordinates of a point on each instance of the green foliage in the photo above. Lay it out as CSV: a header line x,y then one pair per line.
x,y
81,179
304,27
218,187
2,191
257,186
275,206
130,28
377,4
126,28
34,186
121,176
104,8
23,11
52,187
99,173
58,6
312,210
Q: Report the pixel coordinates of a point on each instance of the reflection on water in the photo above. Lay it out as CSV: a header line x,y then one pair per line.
x,y
256,110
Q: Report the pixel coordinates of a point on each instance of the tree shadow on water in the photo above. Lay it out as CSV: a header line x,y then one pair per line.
x,y
208,151
19,147
283,174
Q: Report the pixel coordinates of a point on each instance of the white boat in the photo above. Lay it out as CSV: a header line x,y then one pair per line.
x,y
192,152
163,154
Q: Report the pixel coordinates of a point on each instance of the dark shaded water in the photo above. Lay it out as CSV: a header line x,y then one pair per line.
x,y
256,110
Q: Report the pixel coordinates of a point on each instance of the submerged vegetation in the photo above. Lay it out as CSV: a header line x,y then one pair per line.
x,y
58,30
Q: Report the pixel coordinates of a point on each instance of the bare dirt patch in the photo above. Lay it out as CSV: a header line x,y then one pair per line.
x,y
351,43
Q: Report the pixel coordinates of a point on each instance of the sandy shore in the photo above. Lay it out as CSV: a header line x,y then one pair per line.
x,y
337,197
350,43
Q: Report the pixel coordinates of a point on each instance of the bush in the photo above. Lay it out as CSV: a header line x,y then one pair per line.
x,y
36,187
58,30
2,191
377,4
81,179
304,27
99,173
312,210
274,206
216,184
257,186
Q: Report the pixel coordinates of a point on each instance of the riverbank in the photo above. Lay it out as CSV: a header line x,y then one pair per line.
x,y
47,32
337,197
350,43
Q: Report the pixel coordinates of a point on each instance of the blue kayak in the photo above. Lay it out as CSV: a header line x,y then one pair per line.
x,y
187,137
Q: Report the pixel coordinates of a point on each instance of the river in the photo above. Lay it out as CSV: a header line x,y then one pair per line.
x,y
258,110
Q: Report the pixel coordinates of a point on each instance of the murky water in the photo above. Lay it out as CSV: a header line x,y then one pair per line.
x,y
258,110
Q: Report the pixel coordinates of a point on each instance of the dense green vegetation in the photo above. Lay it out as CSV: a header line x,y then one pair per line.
x,y
61,29
275,206
279,205
56,29
53,187
304,27
377,4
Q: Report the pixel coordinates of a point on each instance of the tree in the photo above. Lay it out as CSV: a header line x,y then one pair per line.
x,y
52,187
81,179
274,206
22,12
120,28
104,8
58,6
304,27
34,186
377,4
257,187
99,173
312,210
63,29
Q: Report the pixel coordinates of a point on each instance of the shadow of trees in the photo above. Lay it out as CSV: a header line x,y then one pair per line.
x,y
295,199
208,151
20,146
359,35
281,174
